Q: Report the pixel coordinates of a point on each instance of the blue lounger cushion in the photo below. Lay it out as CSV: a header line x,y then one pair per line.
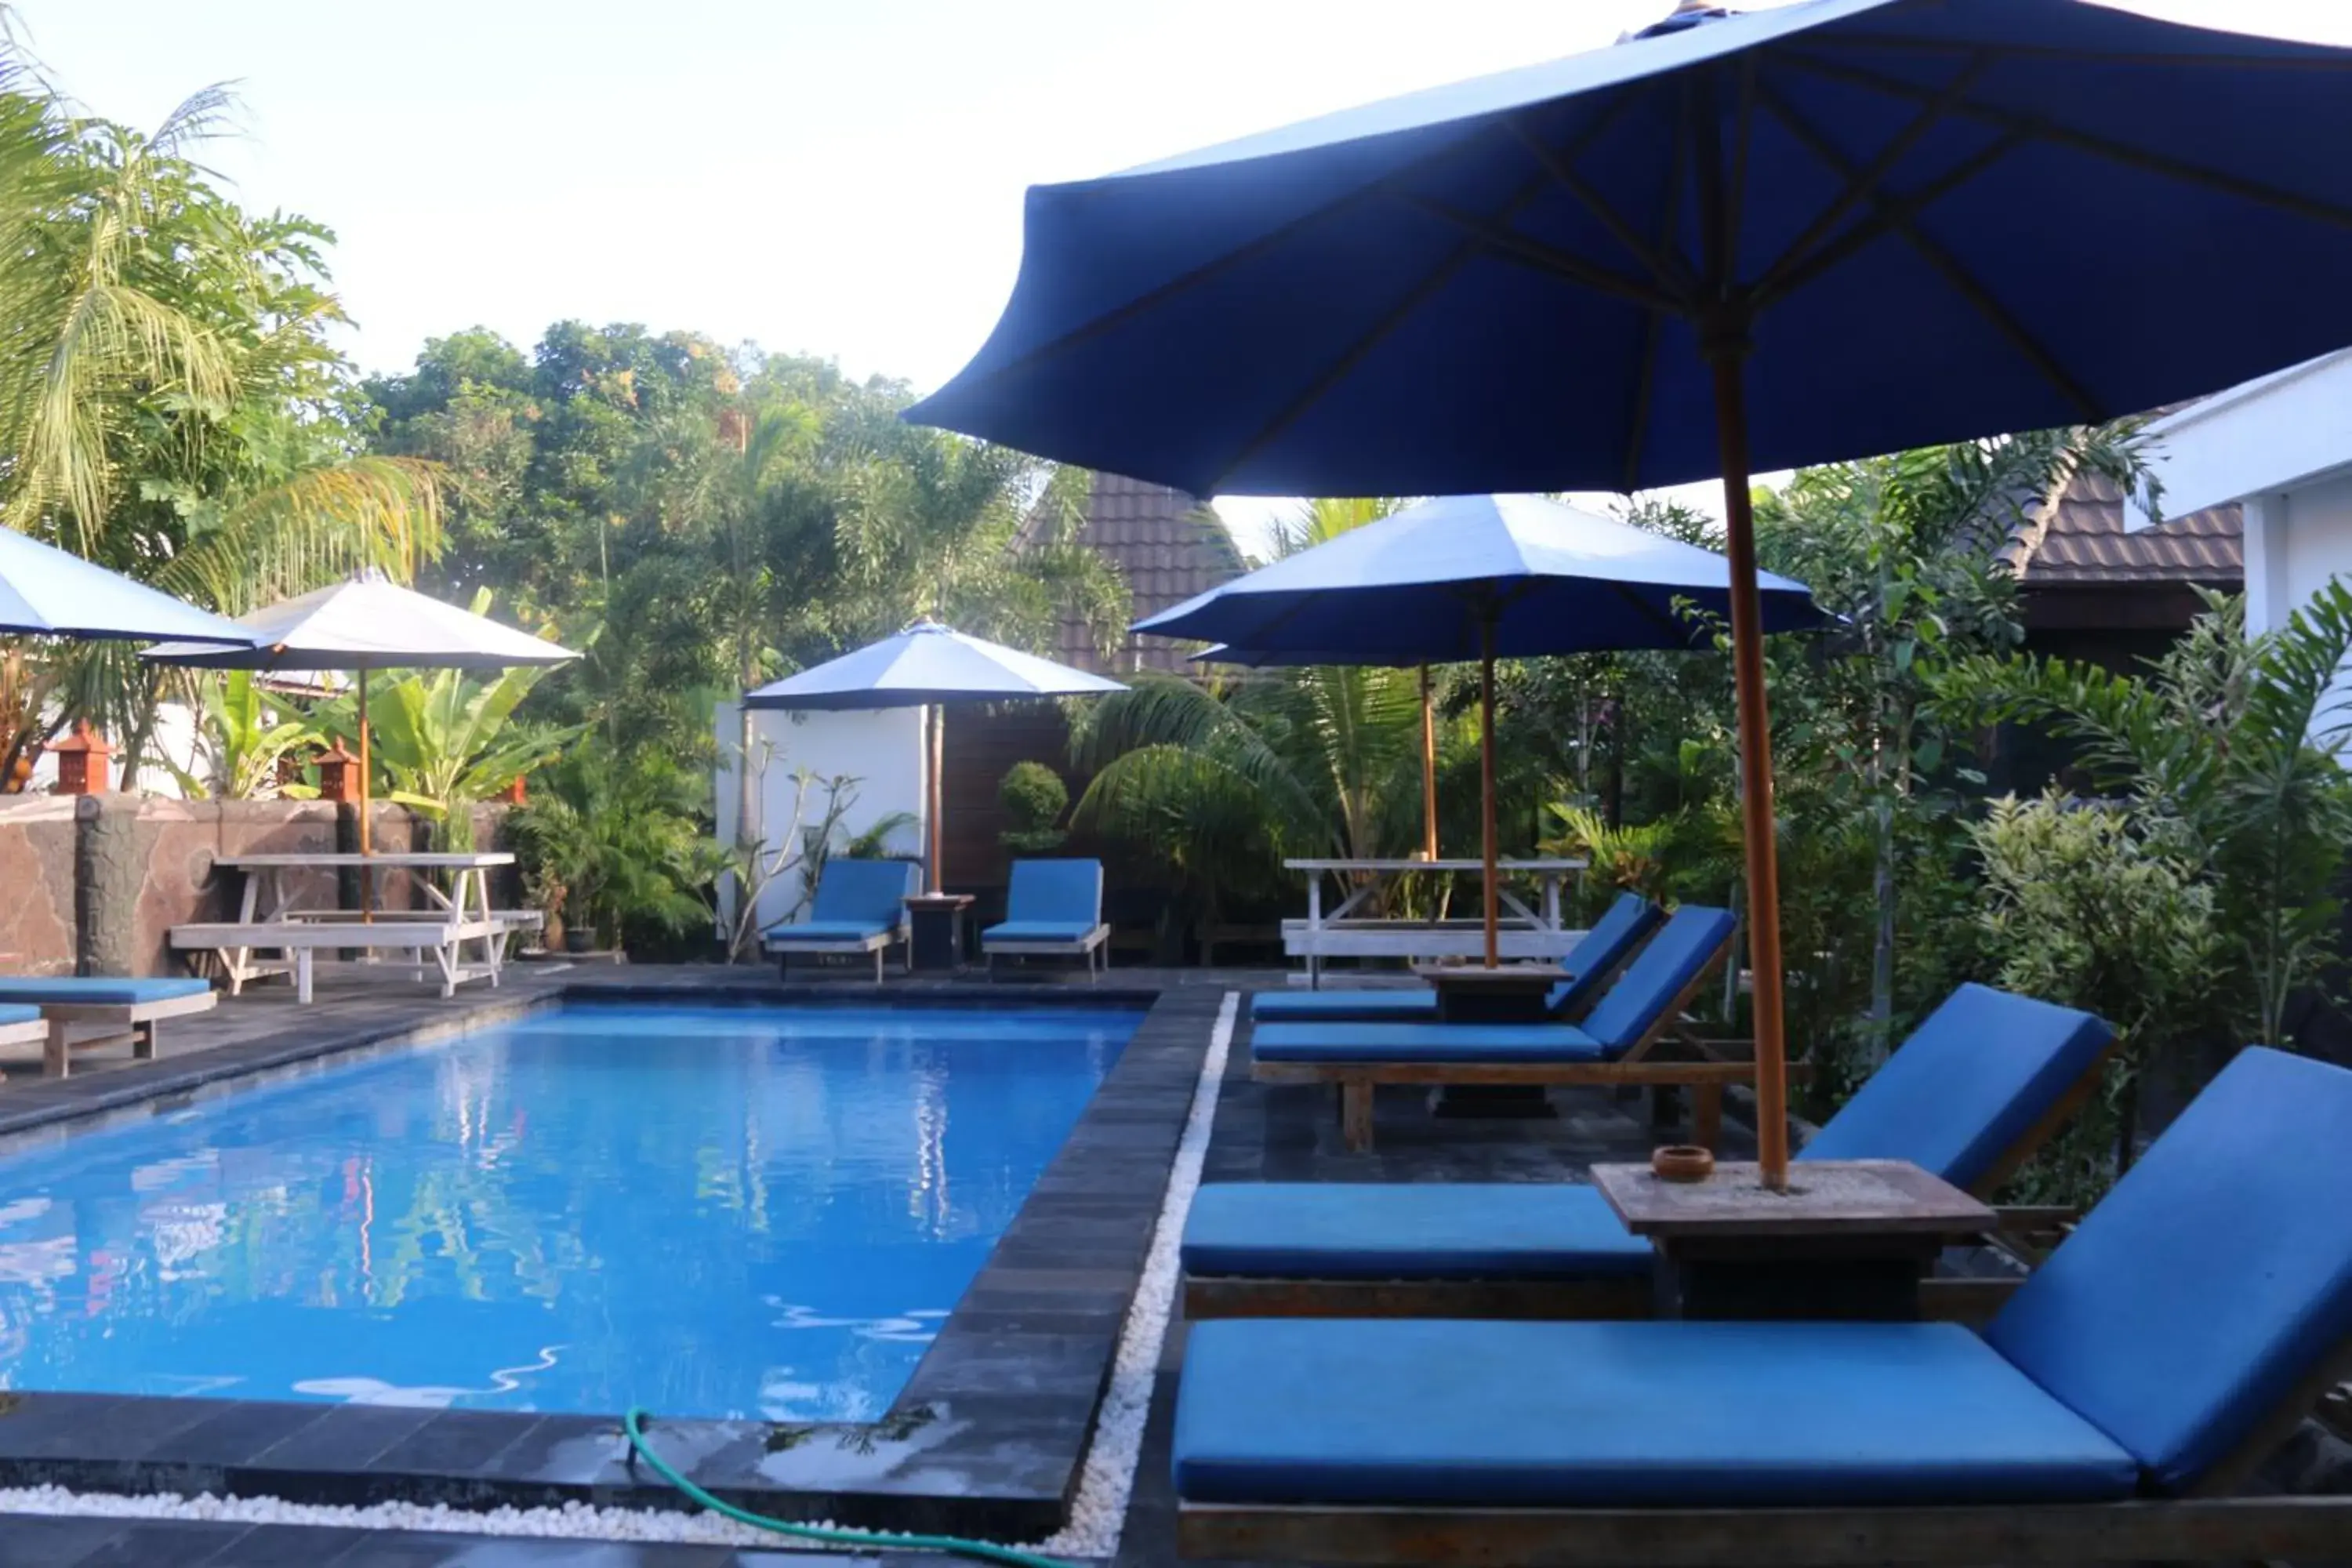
x,y
20,1015
1040,930
1692,938
1528,1043
1648,1415
832,930
862,892
1056,892
1973,1079
1530,1230
1625,922
2211,1281
99,991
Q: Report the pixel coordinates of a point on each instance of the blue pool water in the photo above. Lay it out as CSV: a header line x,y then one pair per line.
x,y
720,1211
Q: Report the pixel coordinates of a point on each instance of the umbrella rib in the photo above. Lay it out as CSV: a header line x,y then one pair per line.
x,y
1664,265
2043,129
1095,326
1653,343
1649,613
1353,355
1792,273
1514,247
1872,176
1954,274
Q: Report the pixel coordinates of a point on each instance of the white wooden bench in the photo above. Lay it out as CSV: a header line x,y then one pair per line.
x,y
236,943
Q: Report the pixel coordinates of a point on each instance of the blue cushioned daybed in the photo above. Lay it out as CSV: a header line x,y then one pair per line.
x,y
1604,949
860,907
2111,1411
1978,1087
1054,908
123,1008
1618,1043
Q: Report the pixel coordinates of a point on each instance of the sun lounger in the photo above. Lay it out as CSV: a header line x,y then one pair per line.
x,y
1982,1082
125,1007
1605,949
1053,908
1620,1042
2114,1410
860,907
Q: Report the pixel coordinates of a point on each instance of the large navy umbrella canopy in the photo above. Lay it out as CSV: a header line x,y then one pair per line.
x,y
1932,220
48,592
927,663
1415,587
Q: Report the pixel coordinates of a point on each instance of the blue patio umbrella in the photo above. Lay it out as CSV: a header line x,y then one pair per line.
x,y
927,666
1463,577
48,592
1733,242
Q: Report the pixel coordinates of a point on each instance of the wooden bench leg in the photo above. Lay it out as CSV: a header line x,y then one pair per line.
x,y
1356,1116
1706,1114
143,1041
56,1060
302,975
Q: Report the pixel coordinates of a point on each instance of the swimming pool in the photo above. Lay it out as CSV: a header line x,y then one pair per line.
x,y
718,1212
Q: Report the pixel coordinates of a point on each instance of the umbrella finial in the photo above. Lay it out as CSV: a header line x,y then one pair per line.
x,y
1686,14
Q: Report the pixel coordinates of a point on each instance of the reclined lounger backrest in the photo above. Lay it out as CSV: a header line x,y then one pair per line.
x,y
2211,1280
1693,937
1064,892
1613,936
1973,1079
864,892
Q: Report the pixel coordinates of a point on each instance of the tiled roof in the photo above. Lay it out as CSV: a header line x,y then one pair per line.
x,y
2085,543
1169,546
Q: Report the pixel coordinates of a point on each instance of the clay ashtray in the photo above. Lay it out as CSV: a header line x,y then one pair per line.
x,y
1682,1163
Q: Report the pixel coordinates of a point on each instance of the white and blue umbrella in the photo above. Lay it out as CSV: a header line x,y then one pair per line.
x,y
48,592
927,666
1483,577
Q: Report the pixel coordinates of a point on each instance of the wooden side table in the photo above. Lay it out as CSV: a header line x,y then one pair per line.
x,y
1507,993
934,929
1849,1240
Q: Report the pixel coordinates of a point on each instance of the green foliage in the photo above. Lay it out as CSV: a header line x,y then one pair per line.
x,y
244,738
2083,909
2226,752
613,843
1034,797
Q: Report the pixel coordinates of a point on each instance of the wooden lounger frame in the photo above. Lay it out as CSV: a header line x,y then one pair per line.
x,y
1094,947
135,1021
1707,1068
2210,1525
879,943
1969,1301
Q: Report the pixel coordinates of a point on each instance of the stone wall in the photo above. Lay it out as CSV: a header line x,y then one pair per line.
x,y
94,884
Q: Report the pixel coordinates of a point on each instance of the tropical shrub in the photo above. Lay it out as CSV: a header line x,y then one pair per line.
x,y
1034,797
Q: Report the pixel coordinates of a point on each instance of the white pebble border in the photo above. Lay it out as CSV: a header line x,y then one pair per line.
x,y
1096,1516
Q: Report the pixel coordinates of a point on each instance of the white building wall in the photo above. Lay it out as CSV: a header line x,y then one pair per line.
x,y
882,750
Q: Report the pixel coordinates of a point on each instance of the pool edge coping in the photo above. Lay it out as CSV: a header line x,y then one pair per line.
x,y
988,1438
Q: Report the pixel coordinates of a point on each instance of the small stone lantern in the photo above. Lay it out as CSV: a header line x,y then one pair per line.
x,y
83,765
339,776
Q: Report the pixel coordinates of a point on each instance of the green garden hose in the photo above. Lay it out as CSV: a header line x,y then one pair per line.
x,y
634,1422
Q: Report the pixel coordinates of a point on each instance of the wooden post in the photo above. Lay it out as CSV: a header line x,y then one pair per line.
x,y
367,835
1729,359
936,721
1428,770
1486,785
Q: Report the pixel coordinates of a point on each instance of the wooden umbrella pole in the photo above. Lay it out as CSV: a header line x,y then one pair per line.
x,y
1428,772
1755,772
1493,903
367,837
937,727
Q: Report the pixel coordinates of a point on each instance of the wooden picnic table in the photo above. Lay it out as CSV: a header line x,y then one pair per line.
x,y
1528,933
1846,1240
274,918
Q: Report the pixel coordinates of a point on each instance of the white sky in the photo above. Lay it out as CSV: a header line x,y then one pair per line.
x,y
838,177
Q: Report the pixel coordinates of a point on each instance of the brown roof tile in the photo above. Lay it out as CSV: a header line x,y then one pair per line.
x,y
2086,543
1169,546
